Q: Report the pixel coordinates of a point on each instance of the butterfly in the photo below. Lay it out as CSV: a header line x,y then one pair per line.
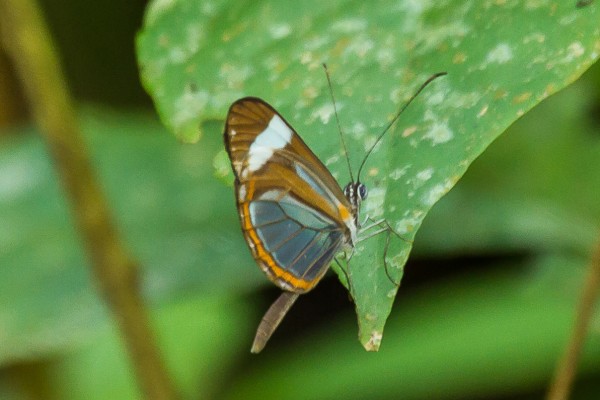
x,y
294,216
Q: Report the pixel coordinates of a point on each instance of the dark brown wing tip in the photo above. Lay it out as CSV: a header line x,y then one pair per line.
x,y
247,99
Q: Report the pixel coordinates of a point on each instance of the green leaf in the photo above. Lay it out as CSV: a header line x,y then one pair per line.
x,y
198,347
501,58
488,334
534,190
164,200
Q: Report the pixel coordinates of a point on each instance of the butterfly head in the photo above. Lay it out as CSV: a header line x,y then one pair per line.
x,y
355,192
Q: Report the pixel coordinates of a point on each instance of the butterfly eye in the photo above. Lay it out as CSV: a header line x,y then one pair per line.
x,y
362,191
348,190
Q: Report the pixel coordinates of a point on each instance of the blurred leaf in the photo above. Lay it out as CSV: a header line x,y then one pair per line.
x,y
486,335
199,337
175,217
501,58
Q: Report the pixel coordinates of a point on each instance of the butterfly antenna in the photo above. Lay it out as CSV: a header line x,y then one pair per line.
x,y
337,119
389,125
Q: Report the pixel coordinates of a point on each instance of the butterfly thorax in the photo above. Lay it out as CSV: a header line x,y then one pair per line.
x,y
355,192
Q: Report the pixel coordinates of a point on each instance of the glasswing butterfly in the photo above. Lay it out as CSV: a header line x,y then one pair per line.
x,y
294,215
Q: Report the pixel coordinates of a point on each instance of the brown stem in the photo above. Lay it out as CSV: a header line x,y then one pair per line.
x,y
567,367
27,41
11,105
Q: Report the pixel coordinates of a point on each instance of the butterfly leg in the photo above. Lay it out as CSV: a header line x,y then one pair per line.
x,y
347,276
382,227
385,265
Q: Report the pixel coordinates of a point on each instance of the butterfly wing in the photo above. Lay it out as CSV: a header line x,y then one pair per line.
x,y
294,215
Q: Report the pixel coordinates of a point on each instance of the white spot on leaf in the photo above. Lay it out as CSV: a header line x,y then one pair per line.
x,y
483,111
425,174
500,54
325,112
374,341
360,46
385,57
436,192
575,50
373,206
536,37
398,173
235,75
439,133
332,160
280,31
409,223
349,25
358,130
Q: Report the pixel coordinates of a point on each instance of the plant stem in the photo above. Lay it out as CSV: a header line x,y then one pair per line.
x,y
28,43
567,366
10,111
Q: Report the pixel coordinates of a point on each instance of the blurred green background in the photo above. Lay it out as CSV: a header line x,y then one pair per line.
x,y
486,303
